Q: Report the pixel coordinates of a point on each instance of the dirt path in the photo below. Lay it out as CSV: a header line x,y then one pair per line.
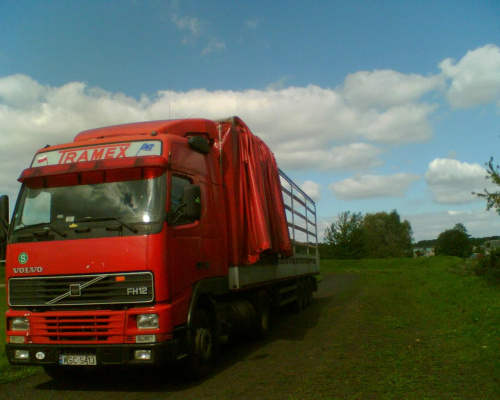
x,y
294,362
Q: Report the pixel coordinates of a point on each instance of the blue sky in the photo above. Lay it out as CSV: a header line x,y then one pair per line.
x,y
370,105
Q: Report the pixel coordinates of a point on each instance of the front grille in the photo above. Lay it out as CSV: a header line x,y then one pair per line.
x,y
103,327
82,290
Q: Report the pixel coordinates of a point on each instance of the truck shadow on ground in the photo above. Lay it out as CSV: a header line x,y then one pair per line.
x,y
286,327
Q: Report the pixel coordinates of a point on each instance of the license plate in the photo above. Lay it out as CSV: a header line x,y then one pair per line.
x,y
77,360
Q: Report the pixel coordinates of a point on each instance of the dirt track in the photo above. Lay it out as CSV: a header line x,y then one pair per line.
x,y
289,364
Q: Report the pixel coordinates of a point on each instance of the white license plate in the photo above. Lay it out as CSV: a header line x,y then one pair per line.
x,y
77,360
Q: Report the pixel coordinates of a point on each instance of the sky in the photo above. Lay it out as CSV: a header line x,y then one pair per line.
x,y
369,106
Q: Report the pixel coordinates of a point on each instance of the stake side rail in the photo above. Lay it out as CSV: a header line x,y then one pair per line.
x,y
301,218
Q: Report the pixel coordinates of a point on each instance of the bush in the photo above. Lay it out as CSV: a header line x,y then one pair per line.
x,y
489,266
454,242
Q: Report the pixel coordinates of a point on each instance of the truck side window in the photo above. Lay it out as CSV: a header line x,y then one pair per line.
x,y
178,184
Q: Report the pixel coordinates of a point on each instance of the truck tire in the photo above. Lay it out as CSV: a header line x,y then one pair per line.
x,y
299,303
263,309
309,292
203,345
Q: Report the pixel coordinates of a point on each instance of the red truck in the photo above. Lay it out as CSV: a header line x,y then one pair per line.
x,y
149,243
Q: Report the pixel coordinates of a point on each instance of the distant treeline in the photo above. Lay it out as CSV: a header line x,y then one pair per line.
x,y
475,242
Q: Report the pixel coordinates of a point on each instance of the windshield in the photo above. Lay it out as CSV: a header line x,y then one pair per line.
x,y
129,202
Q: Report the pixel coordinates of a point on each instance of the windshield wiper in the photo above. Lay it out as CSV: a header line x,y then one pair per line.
x,y
117,219
46,228
50,227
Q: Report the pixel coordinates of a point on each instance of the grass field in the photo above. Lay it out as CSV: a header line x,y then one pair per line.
x,y
417,328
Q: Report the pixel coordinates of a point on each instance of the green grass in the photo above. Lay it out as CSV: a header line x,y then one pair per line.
x,y
416,328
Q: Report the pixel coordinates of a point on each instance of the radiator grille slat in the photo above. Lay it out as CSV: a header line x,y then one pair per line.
x,y
85,327
82,289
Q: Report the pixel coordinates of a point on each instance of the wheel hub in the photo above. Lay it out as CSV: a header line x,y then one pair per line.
x,y
204,343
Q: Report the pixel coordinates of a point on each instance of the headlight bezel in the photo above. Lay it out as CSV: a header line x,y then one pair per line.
x,y
19,324
148,321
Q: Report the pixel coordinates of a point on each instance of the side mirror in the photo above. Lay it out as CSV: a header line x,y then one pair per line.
x,y
4,224
4,212
191,197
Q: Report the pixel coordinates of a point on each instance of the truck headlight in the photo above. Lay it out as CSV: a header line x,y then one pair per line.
x,y
23,355
143,355
19,324
147,321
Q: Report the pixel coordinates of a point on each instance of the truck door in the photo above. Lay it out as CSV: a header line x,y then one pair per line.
x,y
184,239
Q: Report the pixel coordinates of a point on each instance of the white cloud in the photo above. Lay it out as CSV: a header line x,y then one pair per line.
x,y
312,189
373,186
196,30
213,45
387,103
33,115
252,23
190,24
451,181
305,117
387,88
279,84
20,91
355,156
323,224
399,124
475,79
306,127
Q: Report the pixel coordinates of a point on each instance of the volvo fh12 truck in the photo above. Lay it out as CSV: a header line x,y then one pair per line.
x,y
149,243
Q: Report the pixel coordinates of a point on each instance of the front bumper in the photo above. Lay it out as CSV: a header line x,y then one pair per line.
x,y
120,354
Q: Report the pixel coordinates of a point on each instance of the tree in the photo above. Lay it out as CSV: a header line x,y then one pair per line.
x,y
386,236
461,227
492,199
454,242
345,236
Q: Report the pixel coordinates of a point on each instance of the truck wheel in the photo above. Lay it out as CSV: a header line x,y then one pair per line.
x,y
203,345
299,304
263,309
61,373
309,287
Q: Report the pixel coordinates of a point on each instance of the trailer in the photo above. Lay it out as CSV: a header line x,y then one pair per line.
x,y
149,243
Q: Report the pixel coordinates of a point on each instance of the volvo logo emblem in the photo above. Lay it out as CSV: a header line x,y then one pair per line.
x,y
75,290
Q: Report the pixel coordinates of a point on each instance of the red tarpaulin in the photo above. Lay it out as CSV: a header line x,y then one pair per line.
x,y
256,215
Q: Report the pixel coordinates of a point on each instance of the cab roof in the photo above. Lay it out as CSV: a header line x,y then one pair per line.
x,y
181,127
